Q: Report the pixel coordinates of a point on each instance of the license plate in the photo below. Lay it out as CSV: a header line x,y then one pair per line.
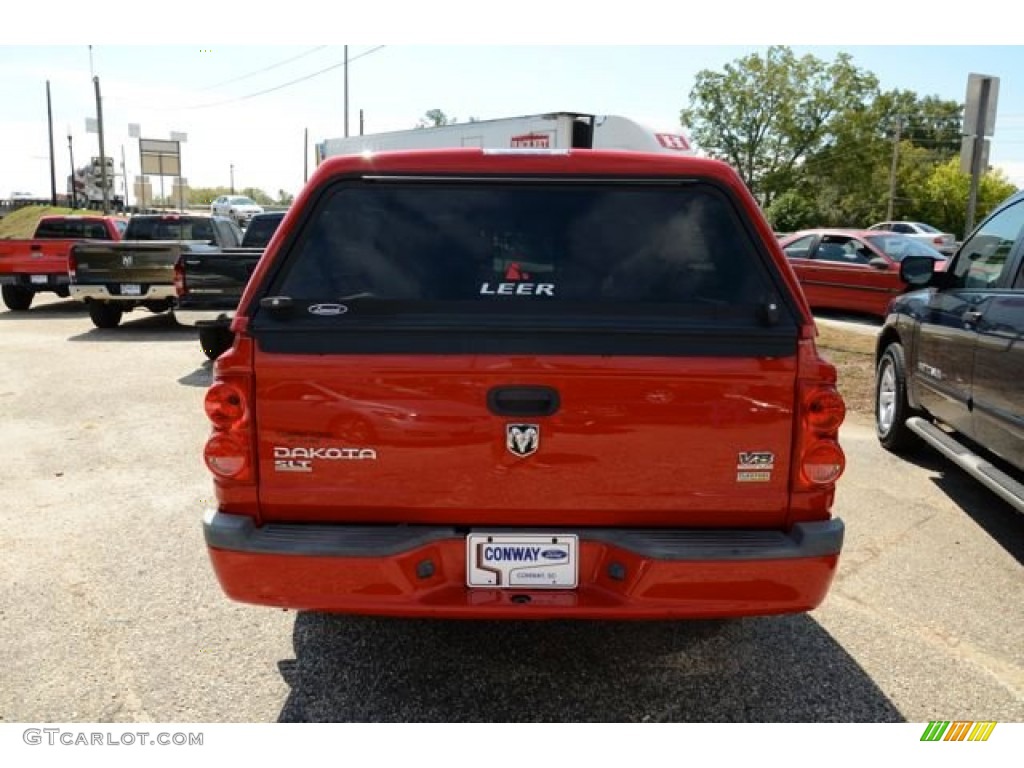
x,y
522,560
131,289
38,279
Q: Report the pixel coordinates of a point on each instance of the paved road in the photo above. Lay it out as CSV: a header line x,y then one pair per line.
x,y
109,610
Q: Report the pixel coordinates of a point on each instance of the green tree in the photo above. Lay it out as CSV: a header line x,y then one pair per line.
x,y
947,190
791,211
206,195
433,118
258,195
766,114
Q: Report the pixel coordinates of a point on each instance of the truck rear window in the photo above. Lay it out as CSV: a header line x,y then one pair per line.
x,y
170,229
526,248
58,229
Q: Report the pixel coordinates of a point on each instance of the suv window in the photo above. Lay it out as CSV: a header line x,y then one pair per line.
x,y
985,256
493,245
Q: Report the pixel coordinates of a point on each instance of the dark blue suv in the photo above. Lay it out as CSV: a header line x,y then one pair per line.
x,y
950,357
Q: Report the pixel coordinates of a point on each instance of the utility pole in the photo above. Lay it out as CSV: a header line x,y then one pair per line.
x,y
71,153
892,171
346,91
360,122
124,177
232,178
103,155
53,168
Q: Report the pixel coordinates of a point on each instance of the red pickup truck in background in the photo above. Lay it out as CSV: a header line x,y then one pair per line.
x,y
39,265
536,384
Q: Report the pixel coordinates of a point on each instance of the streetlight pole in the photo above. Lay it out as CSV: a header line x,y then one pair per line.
x,y
232,178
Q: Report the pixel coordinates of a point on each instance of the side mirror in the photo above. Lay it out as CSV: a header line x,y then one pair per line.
x,y
917,271
878,263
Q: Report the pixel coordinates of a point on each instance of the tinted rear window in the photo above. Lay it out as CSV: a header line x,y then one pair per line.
x,y
72,228
525,246
170,229
260,230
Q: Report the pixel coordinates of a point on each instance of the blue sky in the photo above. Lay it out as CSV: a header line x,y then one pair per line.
x,y
206,89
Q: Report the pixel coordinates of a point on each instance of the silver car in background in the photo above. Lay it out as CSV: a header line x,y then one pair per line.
x,y
943,242
240,209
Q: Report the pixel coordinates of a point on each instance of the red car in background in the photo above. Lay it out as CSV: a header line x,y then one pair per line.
x,y
853,270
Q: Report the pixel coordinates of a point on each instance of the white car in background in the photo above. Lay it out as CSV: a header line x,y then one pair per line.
x,y
943,242
240,209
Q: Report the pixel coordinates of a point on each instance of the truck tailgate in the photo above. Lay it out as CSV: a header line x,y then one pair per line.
x,y
24,257
641,441
126,263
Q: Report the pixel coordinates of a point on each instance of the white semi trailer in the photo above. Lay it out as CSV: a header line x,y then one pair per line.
x,y
556,130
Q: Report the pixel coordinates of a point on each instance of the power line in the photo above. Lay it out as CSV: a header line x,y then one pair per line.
x,y
263,92
265,69
288,84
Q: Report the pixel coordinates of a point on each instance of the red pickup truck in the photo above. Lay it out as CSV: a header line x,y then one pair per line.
x,y
524,384
39,265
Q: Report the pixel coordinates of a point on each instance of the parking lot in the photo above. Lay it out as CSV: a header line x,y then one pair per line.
x,y
110,611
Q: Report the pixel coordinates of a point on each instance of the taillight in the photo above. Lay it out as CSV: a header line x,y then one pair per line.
x,y
939,240
824,409
226,456
822,463
820,460
179,278
225,405
72,265
822,412
229,451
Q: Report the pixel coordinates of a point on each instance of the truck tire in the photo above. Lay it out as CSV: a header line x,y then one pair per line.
x,y
105,315
215,340
16,298
892,408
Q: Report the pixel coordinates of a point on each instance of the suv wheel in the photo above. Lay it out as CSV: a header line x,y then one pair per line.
x,y
105,315
891,406
17,298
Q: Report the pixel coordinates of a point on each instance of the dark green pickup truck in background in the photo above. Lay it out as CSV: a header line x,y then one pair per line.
x,y
114,278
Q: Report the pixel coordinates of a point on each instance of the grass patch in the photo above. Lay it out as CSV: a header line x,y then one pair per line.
x,y
21,224
853,354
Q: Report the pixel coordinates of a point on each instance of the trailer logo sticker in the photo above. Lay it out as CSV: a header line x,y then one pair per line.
x,y
531,141
522,439
673,141
754,466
